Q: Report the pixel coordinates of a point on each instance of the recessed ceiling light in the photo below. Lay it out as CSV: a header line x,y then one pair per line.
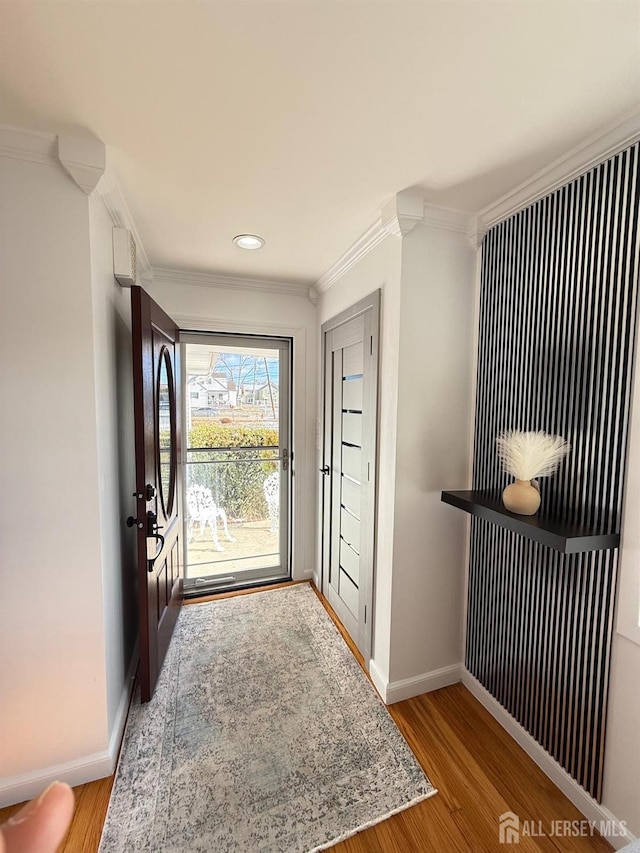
x,y
248,241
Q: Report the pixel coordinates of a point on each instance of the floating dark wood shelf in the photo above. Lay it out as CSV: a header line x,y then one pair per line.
x,y
565,537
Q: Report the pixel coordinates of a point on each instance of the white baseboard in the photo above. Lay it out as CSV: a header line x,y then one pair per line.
x,y
17,789
618,836
306,575
379,681
117,732
396,691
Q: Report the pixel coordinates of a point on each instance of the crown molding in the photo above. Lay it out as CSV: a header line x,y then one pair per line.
x,y
363,245
402,213
446,219
408,208
29,145
84,158
606,143
110,192
398,217
476,232
200,279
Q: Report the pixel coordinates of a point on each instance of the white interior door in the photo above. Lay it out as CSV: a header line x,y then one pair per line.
x,y
350,417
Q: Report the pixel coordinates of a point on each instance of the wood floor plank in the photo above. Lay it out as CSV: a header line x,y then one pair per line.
x,y
506,764
92,802
401,832
459,778
479,771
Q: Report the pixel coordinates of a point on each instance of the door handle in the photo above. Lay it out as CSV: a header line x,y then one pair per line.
x,y
152,533
325,470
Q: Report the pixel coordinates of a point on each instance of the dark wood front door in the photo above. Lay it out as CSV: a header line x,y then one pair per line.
x,y
156,380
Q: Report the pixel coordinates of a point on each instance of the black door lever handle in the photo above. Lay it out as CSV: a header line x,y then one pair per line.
x,y
152,533
160,539
325,470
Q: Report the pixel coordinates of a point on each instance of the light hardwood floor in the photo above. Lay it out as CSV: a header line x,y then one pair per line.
x,y
479,771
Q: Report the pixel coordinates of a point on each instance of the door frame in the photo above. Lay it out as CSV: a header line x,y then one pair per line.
x,y
303,377
235,339
370,427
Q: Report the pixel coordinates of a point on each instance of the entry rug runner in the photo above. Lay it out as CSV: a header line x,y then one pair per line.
x,y
263,735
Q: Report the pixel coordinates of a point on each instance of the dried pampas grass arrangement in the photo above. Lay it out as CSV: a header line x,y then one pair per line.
x,y
527,456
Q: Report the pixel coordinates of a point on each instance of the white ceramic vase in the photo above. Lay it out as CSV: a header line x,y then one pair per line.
x,y
521,497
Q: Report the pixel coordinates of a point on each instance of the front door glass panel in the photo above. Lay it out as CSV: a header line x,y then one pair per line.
x,y
237,460
166,433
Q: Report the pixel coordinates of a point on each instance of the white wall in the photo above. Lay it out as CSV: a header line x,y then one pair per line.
x,y
52,677
201,307
433,450
621,789
427,280
116,484
68,611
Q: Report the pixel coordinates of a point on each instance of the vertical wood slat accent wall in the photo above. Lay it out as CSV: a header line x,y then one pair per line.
x,y
557,326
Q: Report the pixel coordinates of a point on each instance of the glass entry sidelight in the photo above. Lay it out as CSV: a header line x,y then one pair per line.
x,y
237,460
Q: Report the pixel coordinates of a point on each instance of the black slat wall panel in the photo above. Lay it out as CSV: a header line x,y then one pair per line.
x,y
557,325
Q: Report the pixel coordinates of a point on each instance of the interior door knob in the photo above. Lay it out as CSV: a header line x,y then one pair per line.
x,y
325,470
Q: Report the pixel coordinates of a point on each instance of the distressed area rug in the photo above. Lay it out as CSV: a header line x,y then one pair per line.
x,y
263,735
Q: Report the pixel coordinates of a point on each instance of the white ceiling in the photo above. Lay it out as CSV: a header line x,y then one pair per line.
x,y
297,119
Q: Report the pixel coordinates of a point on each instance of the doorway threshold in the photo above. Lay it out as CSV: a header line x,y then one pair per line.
x,y
210,586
